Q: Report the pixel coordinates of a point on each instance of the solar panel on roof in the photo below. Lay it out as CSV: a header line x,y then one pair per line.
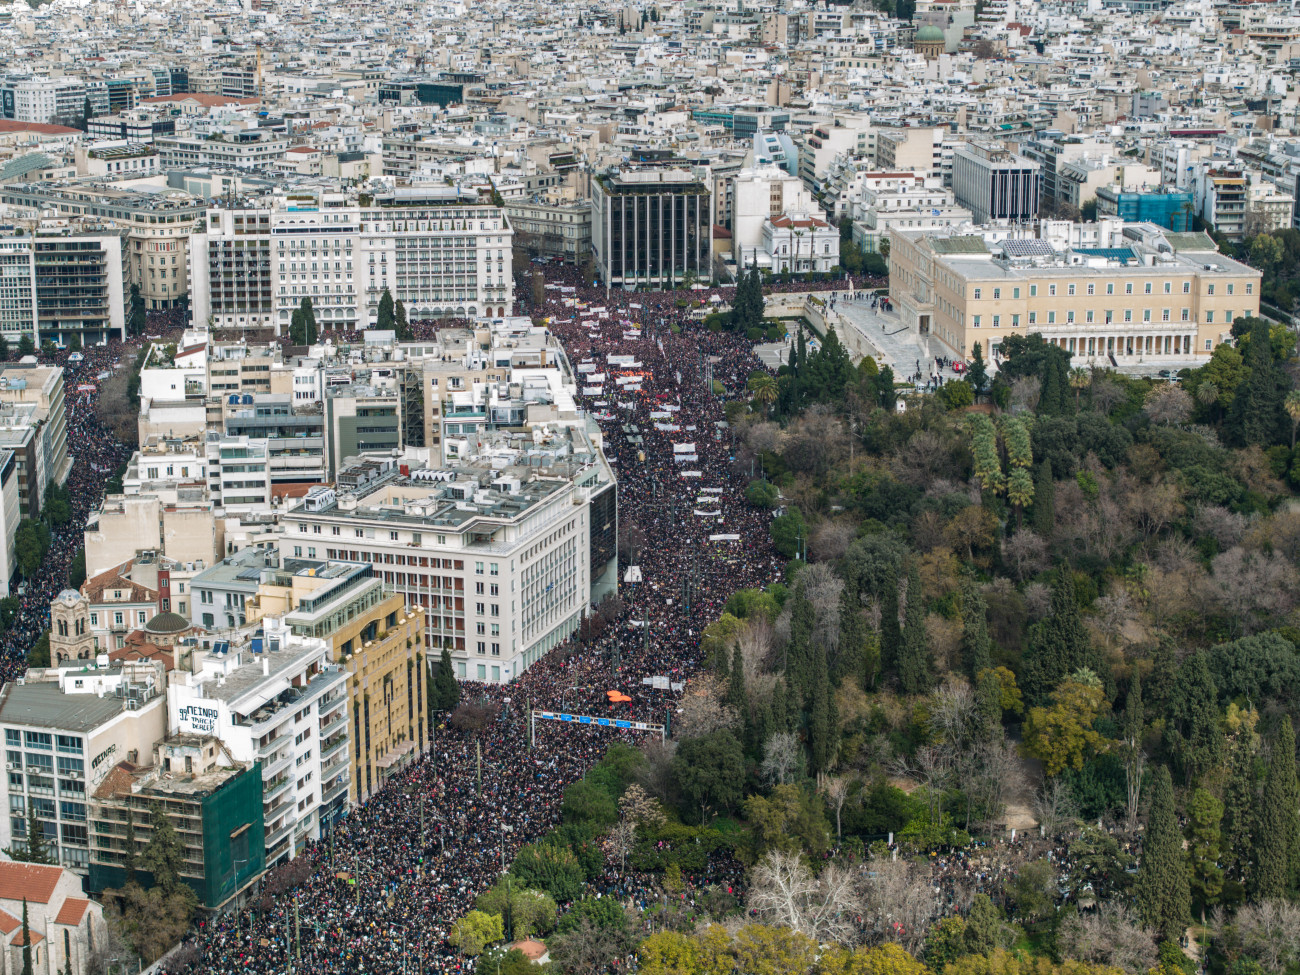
x,y
1027,248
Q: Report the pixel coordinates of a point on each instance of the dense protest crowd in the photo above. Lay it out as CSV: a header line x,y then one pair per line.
x,y
95,455
421,850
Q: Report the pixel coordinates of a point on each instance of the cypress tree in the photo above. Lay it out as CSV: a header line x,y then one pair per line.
x,y
978,374
914,656
308,320
27,942
1239,803
1256,415
1275,829
890,637
975,640
446,689
1192,731
1162,893
736,681
1058,646
850,661
988,702
821,728
1051,395
128,844
1044,501
37,851
798,661
384,318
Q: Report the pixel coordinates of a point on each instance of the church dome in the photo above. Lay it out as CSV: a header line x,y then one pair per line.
x,y
167,623
929,34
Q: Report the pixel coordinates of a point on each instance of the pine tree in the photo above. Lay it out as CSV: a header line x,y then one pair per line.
x,y
914,655
983,932
891,639
1275,829
1256,415
384,318
821,727
1044,501
400,324
1162,895
975,640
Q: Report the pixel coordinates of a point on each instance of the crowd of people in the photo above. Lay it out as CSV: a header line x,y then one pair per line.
x,y
390,880
95,454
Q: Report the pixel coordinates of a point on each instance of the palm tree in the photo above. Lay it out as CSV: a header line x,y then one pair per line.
x,y
1020,492
1292,407
1079,381
763,387
1207,394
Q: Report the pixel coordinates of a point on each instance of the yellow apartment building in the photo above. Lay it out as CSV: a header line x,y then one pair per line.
x,y
1159,296
376,637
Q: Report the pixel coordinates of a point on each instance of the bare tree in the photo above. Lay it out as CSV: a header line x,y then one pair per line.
x,y
1168,404
999,774
784,891
781,757
901,902
622,840
1226,527
1054,805
1024,393
1104,393
953,714
931,767
1025,553
765,438
1252,588
656,774
836,790
1109,937
1114,611
754,640
830,540
1270,933
702,709
823,587
638,806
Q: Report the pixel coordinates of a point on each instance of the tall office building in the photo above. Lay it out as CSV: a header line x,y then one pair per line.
x,y
995,184
651,227
64,281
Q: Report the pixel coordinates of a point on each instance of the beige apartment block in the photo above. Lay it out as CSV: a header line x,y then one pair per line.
x,y
376,638
1164,296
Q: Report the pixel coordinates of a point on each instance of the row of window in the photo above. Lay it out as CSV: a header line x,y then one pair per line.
x,y
1110,289
1090,318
